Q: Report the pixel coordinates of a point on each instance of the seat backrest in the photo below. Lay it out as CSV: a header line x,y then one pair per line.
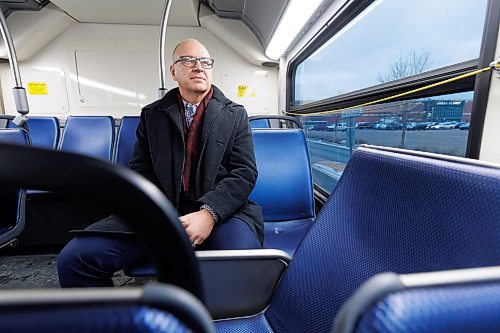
x,y
125,140
148,213
12,201
392,210
274,121
260,123
457,301
89,135
44,132
284,184
156,308
284,187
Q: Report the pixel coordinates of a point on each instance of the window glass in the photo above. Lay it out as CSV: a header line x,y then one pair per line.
x,y
437,124
390,40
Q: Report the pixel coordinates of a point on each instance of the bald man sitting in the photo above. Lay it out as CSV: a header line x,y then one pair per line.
x,y
209,188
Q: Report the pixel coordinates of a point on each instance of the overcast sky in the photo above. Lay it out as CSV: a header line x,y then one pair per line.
x,y
448,30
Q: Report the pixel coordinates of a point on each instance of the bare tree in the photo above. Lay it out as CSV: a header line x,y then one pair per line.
x,y
413,63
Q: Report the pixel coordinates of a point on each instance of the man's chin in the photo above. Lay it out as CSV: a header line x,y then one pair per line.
x,y
200,88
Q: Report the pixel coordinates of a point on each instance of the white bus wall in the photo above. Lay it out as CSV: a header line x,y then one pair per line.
x,y
111,69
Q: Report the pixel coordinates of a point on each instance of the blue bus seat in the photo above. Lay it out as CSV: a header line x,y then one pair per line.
x,y
153,308
456,301
288,206
125,140
284,187
273,121
260,123
12,201
44,132
89,135
392,210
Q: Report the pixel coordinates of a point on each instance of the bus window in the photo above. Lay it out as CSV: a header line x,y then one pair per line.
x,y
438,124
370,51
367,59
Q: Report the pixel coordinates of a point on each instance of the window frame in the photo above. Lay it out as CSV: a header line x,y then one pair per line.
x,y
479,84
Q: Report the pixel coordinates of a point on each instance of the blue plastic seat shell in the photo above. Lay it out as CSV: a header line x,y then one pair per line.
x,y
44,132
452,308
284,187
125,140
89,135
12,201
399,212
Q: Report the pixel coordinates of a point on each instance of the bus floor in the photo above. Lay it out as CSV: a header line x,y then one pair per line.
x,y
40,271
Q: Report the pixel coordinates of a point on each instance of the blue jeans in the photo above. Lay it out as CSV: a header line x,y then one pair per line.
x,y
91,261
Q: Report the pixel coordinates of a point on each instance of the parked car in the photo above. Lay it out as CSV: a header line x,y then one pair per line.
x,y
416,126
443,126
316,125
393,126
342,127
364,125
464,126
330,128
379,126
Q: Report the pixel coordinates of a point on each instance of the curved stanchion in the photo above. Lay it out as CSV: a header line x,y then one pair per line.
x,y
133,198
163,40
20,98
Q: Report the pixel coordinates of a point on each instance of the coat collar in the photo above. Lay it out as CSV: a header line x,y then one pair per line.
x,y
170,99
169,104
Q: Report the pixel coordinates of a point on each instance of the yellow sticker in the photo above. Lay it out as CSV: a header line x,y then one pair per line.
x,y
37,88
245,91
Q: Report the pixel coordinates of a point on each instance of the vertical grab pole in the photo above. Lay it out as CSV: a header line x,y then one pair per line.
x,y
163,32
19,93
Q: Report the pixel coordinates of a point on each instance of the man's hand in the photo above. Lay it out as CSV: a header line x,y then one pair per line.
x,y
198,225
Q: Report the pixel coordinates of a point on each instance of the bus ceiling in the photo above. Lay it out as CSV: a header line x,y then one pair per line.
x,y
261,22
244,25
8,6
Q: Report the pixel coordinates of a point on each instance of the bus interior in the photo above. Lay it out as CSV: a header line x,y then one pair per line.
x,y
375,129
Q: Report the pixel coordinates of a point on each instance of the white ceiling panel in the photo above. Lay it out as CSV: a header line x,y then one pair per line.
x,y
182,12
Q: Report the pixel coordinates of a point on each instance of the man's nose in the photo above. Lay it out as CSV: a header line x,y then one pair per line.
x,y
198,66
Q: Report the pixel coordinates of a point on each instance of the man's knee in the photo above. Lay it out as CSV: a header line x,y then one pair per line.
x,y
80,260
69,256
233,234
78,250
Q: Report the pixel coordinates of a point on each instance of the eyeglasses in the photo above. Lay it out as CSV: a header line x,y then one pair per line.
x,y
190,62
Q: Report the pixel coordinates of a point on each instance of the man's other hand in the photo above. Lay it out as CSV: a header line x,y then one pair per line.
x,y
198,225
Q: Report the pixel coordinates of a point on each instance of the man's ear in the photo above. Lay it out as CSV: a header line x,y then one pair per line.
x,y
172,72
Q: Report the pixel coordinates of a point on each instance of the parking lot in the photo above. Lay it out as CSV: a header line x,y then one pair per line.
x,y
327,148
450,142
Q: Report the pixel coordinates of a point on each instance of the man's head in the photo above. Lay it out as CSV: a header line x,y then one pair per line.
x,y
191,68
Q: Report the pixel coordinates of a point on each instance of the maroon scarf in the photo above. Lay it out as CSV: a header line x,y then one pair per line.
x,y
192,139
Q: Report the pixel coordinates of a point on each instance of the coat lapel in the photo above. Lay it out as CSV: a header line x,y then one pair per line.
x,y
169,149
211,112
174,113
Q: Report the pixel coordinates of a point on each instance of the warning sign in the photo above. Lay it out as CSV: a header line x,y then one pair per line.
x,y
245,91
37,88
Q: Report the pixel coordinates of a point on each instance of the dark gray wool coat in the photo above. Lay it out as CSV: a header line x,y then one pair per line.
x,y
226,173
